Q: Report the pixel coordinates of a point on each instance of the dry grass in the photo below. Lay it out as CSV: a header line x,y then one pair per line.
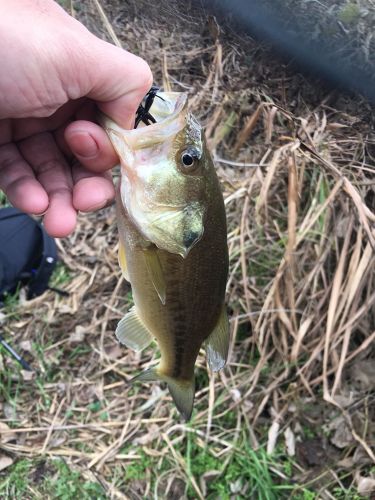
x,y
296,402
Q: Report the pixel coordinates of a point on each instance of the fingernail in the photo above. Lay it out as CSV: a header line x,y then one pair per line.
x,y
83,145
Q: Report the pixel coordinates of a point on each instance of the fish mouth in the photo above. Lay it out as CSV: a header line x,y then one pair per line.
x,y
166,106
169,111
179,225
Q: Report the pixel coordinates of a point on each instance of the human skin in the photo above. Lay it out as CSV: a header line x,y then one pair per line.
x,y
54,75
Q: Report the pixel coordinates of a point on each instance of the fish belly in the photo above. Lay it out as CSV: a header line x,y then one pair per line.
x,y
194,295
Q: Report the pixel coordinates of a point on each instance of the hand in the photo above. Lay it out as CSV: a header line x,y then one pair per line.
x,y
54,75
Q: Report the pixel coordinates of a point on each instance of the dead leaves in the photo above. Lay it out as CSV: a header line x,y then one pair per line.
x,y
5,461
290,442
6,434
365,485
362,374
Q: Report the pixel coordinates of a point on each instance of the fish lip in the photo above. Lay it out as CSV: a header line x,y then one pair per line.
x,y
158,132
180,102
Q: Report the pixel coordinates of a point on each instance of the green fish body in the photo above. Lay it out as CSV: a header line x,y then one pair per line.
x,y
173,245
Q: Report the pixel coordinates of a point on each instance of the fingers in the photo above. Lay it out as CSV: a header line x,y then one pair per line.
x,y
18,181
119,83
90,145
53,173
37,178
91,191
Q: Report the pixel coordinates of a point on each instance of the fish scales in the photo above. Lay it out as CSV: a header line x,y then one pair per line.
x,y
194,294
172,229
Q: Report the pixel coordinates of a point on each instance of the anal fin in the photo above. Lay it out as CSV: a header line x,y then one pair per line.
x,y
217,344
149,375
131,332
155,272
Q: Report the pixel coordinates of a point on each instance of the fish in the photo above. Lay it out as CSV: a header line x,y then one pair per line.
x,y
172,245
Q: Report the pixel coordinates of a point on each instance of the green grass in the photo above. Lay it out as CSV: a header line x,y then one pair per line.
x,y
50,479
60,276
201,379
68,484
347,494
349,14
78,351
3,199
10,384
137,469
249,474
263,264
11,302
49,365
250,471
15,480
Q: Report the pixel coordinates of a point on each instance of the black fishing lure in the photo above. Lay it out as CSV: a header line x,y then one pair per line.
x,y
143,112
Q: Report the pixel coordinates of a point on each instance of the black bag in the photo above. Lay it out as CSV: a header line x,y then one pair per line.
x,y
28,255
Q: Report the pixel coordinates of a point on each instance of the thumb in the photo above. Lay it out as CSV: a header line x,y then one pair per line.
x,y
119,83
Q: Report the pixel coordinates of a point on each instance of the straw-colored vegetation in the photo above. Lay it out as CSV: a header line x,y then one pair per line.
x,y
292,415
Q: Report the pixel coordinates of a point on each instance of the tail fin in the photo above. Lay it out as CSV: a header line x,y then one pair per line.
x,y
182,391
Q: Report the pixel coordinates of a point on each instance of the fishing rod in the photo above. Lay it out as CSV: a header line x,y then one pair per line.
x,y
15,355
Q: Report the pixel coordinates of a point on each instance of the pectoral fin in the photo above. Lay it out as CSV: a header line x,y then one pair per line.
x,y
131,332
155,272
122,261
217,343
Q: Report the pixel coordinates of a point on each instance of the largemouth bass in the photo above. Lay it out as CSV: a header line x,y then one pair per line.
x,y
173,245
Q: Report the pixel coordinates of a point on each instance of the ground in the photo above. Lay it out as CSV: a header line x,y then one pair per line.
x,y
292,415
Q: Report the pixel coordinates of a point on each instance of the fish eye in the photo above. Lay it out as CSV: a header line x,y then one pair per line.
x,y
189,159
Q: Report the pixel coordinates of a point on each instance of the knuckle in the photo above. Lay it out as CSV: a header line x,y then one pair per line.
x,y
144,74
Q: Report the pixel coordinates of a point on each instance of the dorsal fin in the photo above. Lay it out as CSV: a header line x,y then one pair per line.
x,y
217,344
